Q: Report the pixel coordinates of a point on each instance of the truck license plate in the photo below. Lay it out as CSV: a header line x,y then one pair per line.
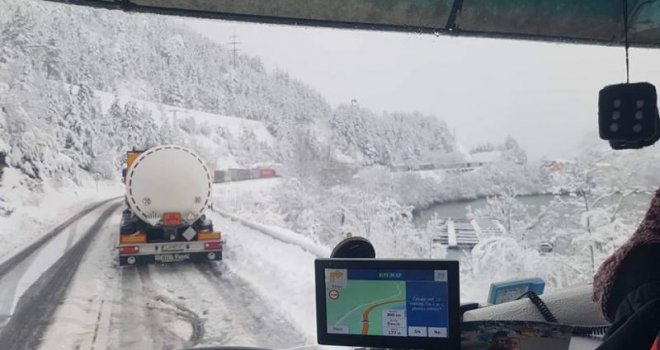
x,y
173,247
167,258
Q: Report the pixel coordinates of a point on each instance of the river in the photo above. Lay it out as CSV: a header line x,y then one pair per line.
x,y
637,203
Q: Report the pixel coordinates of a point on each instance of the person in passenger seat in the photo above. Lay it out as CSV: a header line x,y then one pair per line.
x,y
513,343
627,285
499,340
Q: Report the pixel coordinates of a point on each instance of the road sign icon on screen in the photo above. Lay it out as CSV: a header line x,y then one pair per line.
x,y
335,278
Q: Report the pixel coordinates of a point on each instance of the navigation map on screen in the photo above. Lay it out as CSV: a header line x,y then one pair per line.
x,y
400,303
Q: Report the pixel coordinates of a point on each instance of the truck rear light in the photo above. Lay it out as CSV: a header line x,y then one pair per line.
x,y
208,236
171,219
129,249
212,246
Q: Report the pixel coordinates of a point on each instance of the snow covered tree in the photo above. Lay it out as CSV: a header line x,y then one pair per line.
x,y
16,35
390,138
508,210
76,122
483,147
512,152
52,61
137,130
504,258
4,149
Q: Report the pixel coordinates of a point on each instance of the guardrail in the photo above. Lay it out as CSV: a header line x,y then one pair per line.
x,y
465,166
282,235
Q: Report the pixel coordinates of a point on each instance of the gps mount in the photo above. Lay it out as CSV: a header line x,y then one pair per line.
x,y
354,248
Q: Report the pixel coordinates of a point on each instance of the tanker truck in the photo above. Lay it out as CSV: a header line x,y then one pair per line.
x,y
168,188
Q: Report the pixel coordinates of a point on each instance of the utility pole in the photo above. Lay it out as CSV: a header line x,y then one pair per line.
x,y
234,43
174,112
174,123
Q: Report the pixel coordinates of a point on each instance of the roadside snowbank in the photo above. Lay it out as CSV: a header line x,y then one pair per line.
x,y
282,273
34,213
284,235
250,200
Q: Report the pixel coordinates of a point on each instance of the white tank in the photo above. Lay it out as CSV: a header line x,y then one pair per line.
x,y
168,179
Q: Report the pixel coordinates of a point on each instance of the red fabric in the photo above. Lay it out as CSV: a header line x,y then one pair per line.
x,y
655,345
648,232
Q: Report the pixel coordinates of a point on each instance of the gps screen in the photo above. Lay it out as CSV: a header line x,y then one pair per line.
x,y
387,302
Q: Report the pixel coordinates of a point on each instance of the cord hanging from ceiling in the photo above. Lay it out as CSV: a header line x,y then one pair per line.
x,y
625,33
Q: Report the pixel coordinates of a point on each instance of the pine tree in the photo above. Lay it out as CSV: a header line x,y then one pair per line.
x,y
53,60
16,35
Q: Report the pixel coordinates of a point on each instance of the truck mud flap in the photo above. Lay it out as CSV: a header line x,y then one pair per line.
x,y
127,260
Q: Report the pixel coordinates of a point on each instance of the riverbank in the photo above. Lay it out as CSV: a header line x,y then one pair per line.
x,y
460,208
467,200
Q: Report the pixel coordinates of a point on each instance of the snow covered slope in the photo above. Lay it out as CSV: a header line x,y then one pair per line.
x,y
163,112
34,213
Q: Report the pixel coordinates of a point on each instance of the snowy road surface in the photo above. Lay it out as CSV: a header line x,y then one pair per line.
x,y
70,294
40,281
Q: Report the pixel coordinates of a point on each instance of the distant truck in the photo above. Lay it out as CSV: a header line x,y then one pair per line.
x,y
168,188
221,176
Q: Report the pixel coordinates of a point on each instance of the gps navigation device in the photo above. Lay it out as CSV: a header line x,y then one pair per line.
x,y
405,304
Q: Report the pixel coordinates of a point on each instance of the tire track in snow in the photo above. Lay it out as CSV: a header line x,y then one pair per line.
x,y
196,323
250,309
83,319
185,284
279,271
231,310
131,328
98,323
37,306
8,264
149,319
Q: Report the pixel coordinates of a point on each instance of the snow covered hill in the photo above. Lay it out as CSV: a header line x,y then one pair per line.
x,y
55,58
224,141
162,112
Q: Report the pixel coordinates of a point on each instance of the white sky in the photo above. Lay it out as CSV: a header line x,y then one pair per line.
x,y
545,95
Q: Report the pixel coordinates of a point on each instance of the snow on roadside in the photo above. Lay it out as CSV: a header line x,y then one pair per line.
x,y
229,194
245,198
284,235
437,175
35,213
282,273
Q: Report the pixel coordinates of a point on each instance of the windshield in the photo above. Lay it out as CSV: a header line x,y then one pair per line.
x,y
288,140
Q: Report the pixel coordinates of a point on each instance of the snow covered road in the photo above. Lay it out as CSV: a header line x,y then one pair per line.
x,y
39,282
182,305
76,297
262,294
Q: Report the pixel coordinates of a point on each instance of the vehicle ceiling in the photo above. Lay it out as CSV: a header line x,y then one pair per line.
x,y
584,21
